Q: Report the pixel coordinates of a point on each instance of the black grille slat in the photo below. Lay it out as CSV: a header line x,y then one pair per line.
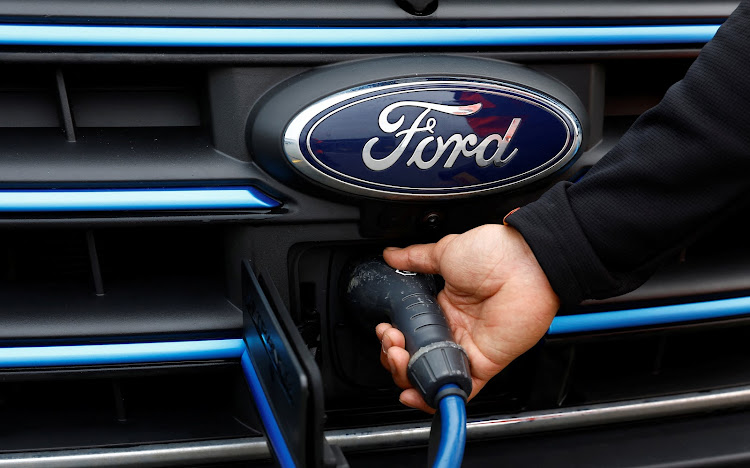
x,y
131,407
158,281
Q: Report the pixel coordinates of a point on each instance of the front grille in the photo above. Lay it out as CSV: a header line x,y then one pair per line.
x,y
174,116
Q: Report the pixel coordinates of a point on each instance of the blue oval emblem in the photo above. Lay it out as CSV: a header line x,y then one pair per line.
x,y
432,138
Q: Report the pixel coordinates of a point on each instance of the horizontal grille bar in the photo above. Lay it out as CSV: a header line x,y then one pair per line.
x,y
134,199
176,454
172,36
648,316
405,435
127,353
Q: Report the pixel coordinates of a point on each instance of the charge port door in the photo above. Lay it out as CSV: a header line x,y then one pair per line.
x,y
283,378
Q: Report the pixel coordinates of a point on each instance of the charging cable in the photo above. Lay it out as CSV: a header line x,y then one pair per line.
x,y
451,417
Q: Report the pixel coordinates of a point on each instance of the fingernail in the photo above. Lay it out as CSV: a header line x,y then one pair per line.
x,y
386,342
390,249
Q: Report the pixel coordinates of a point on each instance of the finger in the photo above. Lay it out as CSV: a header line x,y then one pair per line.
x,y
391,337
398,360
380,329
476,386
411,398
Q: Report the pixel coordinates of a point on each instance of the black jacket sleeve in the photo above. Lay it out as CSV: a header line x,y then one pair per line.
x,y
683,165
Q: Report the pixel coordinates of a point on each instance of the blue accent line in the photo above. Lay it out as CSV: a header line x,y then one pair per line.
x,y
129,353
175,36
273,432
650,316
134,199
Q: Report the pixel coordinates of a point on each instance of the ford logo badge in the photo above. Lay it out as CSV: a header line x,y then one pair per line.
x,y
432,137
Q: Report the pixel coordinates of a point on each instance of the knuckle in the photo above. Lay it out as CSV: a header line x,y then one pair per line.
x,y
412,257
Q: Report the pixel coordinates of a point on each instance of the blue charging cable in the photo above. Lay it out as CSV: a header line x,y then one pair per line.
x,y
452,410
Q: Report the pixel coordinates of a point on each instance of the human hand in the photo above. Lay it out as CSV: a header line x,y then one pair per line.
x,y
496,300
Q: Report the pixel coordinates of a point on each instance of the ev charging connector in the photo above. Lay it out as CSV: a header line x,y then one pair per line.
x,y
376,293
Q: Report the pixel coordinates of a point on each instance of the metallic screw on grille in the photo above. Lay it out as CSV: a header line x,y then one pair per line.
x,y
432,220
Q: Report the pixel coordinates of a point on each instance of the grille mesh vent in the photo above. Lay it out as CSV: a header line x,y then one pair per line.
x,y
98,97
109,284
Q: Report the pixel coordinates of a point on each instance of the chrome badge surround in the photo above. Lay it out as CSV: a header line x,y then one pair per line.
x,y
293,134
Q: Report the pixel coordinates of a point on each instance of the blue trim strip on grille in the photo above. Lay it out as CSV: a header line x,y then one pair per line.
x,y
128,353
187,36
134,199
273,432
649,316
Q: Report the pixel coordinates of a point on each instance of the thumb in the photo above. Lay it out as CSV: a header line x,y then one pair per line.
x,y
419,258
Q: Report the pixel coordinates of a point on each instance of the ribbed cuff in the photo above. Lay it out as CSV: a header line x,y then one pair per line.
x,y
562,249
